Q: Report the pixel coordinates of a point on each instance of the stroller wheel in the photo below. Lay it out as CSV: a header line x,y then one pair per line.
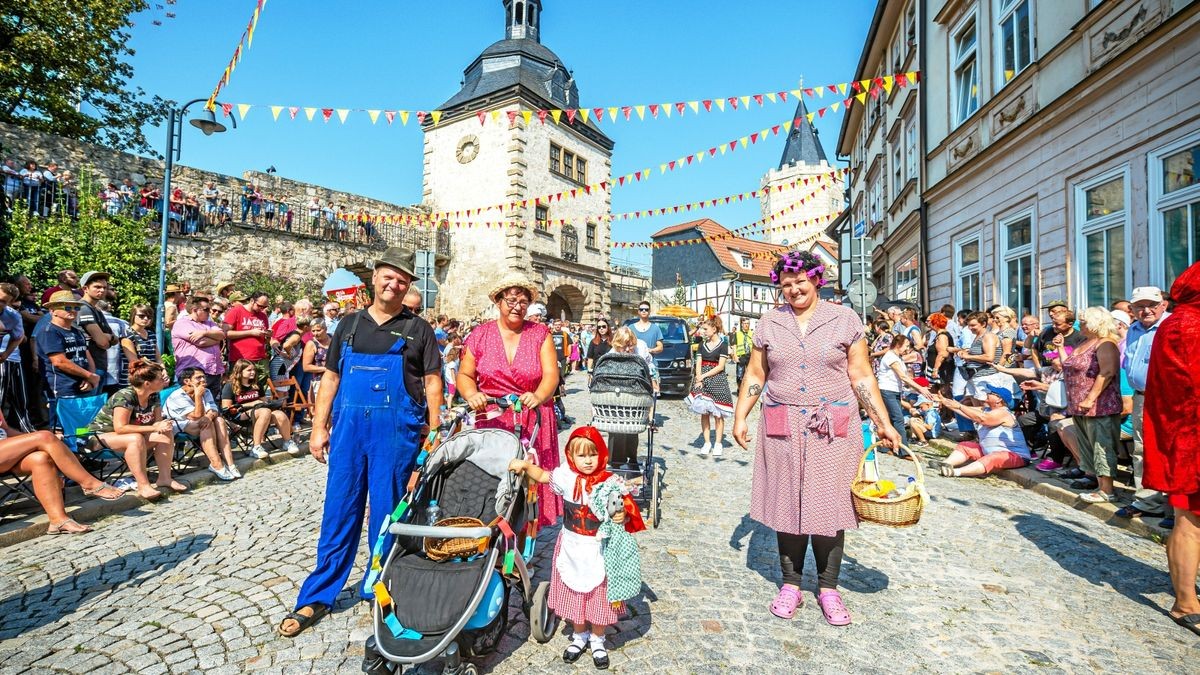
x,y
655,496
543,623
373,662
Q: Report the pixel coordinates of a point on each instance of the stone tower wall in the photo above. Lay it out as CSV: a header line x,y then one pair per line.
x,y
825,203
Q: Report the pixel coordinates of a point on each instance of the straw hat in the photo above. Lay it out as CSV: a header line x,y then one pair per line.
x,y
513,280
60,298
223,285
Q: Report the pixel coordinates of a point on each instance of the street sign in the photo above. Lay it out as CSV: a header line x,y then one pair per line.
x,y
429,290
862,292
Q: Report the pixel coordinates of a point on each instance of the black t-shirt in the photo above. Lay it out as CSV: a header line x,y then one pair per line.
x,y
421,354
247,396
597,349
1045,341
87,315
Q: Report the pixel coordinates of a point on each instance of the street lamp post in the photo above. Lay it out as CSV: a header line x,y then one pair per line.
x,y
209,125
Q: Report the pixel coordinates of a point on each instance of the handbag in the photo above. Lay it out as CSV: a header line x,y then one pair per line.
x,y
1056,395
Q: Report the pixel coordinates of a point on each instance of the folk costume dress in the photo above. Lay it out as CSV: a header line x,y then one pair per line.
x,y
809,443
497,377
578,585
714,397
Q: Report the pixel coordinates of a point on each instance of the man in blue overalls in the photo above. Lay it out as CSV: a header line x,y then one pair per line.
x,y
383,386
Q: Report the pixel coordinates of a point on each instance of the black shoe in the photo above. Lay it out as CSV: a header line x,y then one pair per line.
x,y
1085,483
1167,523
600,658
1072,473
573,652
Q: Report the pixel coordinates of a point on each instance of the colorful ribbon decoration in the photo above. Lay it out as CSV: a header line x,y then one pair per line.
x,y
732,234
247,39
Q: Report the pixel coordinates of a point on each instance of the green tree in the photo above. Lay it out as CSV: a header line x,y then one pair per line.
x,y
277,285
64,71
117,244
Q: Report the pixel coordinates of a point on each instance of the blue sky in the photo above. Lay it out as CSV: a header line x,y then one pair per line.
x,y
410,55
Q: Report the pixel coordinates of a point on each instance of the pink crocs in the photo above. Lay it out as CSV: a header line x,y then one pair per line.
x,y
832,607
786,602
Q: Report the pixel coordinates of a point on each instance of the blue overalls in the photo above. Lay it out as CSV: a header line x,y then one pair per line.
x,y
375,439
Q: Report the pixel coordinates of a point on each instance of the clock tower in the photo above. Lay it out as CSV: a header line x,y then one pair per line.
x,y
563,246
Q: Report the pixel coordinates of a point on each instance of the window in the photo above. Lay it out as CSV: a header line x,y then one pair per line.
x,y
1016,39
541,218
1017,275
570,244
897,169
743,260
910,26
908,278
910,147
966,72
1102,226
1175,209
591,235
898,52
873,202
968,293
567,164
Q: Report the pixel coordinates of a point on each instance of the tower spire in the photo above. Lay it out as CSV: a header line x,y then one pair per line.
x,y
802,146
522,19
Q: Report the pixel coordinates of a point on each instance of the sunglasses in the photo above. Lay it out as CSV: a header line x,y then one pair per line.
x,y
643,309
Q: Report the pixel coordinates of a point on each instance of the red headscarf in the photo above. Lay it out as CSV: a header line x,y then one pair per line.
x,y
585,483
1172,427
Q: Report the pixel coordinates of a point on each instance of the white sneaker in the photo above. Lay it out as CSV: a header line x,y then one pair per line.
x,y
705,449
126,484
259,452
222,473
292,449
718,449
233,470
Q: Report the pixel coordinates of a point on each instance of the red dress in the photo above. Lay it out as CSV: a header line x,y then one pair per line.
x,y
495,376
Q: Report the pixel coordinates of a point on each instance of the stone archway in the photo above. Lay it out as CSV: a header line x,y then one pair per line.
x,y
565,302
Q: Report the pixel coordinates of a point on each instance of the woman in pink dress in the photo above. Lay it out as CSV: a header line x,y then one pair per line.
x,y
812,361
513,356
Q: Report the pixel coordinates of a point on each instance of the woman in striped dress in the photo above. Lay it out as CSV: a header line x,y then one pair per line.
x,y
140,344
809,365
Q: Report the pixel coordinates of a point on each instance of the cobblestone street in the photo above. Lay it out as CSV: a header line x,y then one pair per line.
x,y
994,579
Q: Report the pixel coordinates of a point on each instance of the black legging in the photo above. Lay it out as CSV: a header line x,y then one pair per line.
x,y
826,550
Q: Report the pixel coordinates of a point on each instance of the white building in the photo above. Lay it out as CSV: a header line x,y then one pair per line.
x,y
803,158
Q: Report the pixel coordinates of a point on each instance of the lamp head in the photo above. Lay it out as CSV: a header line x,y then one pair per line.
x,y
207,122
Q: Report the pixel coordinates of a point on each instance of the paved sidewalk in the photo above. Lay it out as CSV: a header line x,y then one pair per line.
x,y
994,579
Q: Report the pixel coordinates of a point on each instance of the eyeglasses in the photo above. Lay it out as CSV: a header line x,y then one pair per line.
x,y
601,326
515,301
643,309
198,309
69,308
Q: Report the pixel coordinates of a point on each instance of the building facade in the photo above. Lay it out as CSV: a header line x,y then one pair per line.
x,y
803,158
1063,143
882,140
468,165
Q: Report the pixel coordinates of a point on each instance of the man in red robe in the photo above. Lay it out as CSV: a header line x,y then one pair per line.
x,y
1172,438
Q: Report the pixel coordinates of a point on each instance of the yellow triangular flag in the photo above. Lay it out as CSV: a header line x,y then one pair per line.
x,y
662,168
243,108
810,117
842,88
628,178
700,156
797,93
834,107
641,111
436,115
887,83
912,77
495,115
745,101
787,126
720,103
695,106
862,97
865,84
583,114
770,97
527,115
342,113
612,114
723,146
666,107
309,112
556,115
645,173
763,133
373,114
275,110
403,117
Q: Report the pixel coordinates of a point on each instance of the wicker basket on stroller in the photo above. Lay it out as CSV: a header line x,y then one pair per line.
x,y
621,412
444,549
902,511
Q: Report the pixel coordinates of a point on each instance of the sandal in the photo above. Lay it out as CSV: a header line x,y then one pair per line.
x,y
302,622
833,608
947,471
106,492
1098,497
785,604
1132,511
68,526
1189,621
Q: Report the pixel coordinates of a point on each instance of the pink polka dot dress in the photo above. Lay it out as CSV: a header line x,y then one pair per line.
x,y
802,478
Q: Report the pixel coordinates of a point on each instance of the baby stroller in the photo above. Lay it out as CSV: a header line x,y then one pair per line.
x,y
446,586
622,397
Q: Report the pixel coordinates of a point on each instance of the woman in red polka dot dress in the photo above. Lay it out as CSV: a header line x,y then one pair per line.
x,y
811,368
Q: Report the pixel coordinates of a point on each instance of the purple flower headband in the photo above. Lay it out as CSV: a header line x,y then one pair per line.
x,y
799,261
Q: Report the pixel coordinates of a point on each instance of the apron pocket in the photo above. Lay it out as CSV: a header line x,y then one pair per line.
x,y
775,420
840,412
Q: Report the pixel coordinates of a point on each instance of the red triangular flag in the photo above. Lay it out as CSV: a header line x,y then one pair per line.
x,y
654,110
733,101
821,112
326,113
621,180
754,137
732,146
625,109
707,105
599,114
758,99
420,117
671,164
226,108
809,92
690,158
512,116
679,107
833,89
782,95
390,115
712,152
856,86
292,111
542,115
775,130
482,115
570,115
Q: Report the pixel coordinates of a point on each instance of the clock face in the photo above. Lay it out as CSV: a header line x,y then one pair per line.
x,y
468,148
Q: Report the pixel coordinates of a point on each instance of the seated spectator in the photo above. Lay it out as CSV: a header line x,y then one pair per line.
x,y
926,422
41,456
244,398
197,339
194,411
1000,445
132,422
1049,415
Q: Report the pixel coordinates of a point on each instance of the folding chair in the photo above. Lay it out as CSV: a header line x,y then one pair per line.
x,y
241,432
14,488
294,398
187,446
73,415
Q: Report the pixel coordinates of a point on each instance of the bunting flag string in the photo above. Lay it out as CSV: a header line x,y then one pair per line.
x,y
808,222
246,40
728,199
842,94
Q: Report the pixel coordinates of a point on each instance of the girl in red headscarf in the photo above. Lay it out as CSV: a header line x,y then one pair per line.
x,y
578,587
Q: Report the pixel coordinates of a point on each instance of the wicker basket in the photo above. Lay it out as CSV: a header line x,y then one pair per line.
x,y
621,413
444,549
902,511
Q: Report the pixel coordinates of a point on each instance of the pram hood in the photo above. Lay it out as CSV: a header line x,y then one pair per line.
x,y
620,373
489,449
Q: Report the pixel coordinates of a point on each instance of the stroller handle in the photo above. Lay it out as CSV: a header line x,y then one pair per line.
x,y
409,530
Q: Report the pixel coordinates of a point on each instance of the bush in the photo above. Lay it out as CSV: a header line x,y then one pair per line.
x,y
275,285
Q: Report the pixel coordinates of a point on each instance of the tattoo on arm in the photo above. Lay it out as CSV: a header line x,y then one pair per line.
x,y
864,397
754,390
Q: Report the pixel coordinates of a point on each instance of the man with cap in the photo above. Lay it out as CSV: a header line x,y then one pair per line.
x,y
1149,311
67,366
381,389
225,289
175,295
100,336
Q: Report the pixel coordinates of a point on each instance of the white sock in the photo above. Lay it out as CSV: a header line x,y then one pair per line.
x,y
580,639
596,643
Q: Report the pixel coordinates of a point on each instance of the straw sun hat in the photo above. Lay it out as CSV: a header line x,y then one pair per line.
x,y
513,280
